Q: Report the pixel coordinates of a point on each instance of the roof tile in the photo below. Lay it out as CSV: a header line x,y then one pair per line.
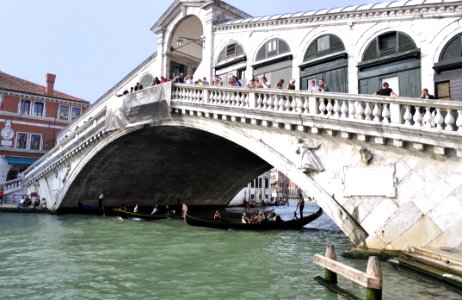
x,y
12,83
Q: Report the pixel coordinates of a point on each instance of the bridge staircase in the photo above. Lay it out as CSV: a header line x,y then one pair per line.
x,y
442,264
12,190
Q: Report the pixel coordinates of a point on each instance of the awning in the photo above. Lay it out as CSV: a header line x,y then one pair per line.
x,y
14,160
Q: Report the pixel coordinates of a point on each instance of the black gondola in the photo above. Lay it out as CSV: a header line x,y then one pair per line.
x,y
236,224
91,209
125,214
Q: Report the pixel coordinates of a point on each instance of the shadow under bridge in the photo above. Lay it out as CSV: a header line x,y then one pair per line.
x,y
165,165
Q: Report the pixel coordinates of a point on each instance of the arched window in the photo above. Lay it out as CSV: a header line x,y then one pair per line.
x,y
324,45
389,43
326,59
231,52
146,80
448,70
272,48
391,57
453,50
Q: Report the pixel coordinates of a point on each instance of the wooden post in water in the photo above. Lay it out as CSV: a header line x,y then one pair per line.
x,y
328,274
373,269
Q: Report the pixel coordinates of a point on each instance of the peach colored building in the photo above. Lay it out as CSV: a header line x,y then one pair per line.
x,y
31,115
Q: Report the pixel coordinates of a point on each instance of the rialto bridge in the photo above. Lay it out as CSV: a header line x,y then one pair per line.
x,y
386,170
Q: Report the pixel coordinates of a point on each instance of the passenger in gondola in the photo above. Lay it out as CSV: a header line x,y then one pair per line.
x,y
155,210
272,217
245,218
217,215
36,202
135,210
260,217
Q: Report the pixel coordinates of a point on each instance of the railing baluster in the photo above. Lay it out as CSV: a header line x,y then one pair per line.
x,y
376,112
438,119
368,112
459,121
417,117
449,120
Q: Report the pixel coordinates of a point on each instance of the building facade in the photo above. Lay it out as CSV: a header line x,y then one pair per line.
x,y
409,44
31,116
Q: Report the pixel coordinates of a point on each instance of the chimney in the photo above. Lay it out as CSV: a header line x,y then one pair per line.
x,y
50,79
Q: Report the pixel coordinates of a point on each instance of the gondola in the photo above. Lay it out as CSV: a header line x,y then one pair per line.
x,y
125,214
91,209
236,224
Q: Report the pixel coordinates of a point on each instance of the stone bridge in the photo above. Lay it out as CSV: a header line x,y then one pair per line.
x,y
386,170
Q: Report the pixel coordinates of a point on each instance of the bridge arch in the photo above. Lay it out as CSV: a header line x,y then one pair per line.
x,y
213,162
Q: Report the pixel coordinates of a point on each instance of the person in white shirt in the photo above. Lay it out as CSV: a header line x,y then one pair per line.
x,y
155,210
265,83
135,210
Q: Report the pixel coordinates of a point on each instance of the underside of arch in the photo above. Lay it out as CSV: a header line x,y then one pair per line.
x,y
166,165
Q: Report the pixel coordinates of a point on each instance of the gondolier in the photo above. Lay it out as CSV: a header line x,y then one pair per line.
x,y
300,205
100,200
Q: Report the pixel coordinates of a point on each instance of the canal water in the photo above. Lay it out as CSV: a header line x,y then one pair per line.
x,y
92,257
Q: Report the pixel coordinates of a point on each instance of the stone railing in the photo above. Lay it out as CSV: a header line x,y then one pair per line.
x,y
11,185
397,117
68,143
436,114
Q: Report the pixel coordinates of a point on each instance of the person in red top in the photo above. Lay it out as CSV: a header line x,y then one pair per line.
x,y
1,195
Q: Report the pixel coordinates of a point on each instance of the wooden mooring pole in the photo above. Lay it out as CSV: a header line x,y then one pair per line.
x,y
371,279
328,274
373,269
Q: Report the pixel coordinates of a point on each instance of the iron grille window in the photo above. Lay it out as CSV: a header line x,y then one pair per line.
x,y
272,48
388,44
231,50
323,43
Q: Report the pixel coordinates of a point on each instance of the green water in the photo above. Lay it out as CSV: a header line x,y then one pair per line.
x,y
92,257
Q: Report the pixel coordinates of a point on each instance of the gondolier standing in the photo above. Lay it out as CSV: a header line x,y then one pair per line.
x,y
100,200
300,205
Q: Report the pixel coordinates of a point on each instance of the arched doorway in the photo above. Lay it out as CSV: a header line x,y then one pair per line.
x,y
186,47
392,57
326,59
274,61
448,71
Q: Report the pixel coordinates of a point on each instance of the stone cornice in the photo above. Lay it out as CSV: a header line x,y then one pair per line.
x,y
349,17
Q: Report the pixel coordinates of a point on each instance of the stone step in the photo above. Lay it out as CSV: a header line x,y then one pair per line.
x,y
428,270
443,265
452,256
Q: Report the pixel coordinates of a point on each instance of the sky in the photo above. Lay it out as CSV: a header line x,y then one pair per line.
x,y
92,44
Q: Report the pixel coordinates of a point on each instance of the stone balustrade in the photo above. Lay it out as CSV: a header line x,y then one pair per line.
x,y
436,114
69,145
418,122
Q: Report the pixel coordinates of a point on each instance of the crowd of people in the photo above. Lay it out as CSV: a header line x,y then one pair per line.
x,y
260,83
26,201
